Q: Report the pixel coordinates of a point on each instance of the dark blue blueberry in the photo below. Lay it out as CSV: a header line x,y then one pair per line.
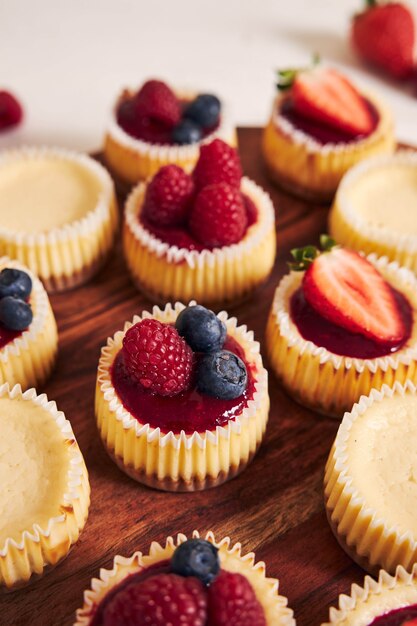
x,y
201,329
186,132
204,110
15,314
198,558
15,283
222,374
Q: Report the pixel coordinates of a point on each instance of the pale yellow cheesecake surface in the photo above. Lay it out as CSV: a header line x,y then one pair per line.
x,y
34,463
382,460
45,193
387,198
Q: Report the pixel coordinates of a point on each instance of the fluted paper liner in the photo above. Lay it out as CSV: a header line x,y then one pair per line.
x,y
359,528
42,547
215,276
313,170
67,256
133,159
375,598
181,462
274,605
351,230
326,382
28,359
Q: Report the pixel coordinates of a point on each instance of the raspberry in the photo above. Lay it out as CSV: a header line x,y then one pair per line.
x,y
168,196
157,101
232,602
218,217
158,357
158,601
11,112
218,163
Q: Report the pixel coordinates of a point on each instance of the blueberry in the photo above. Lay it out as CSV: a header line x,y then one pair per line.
x,y
15,283
201,329
222,374
204,110
186,132
198,558
15,314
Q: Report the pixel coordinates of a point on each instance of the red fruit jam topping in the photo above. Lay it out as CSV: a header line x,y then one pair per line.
x,y
313,327
405,616
322,133
11,112
7,335
189,410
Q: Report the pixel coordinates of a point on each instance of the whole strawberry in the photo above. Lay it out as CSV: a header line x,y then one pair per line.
x,y
384,34
232,602
11,112
168,196
158,601
218,163
156,356
218,217
156,101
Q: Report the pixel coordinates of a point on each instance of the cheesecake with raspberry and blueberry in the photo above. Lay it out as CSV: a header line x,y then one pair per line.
x,y
182,398
28,331
156,125
342,324
386,601
208,235
186,582
321,125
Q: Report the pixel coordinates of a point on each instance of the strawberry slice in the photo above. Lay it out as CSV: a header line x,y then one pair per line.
x,y
410,622
348,290
326,96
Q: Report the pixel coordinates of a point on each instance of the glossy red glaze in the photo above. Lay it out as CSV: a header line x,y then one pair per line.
x,y
398,617
320,132
181,237
7,335
190,410
313,327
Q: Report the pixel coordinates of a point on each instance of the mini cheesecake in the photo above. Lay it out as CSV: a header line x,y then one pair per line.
x,y
28,331
212,579
387,601
321,126
45,490
181,424
370,486
209,235
58,214
341,326
374,208
156,126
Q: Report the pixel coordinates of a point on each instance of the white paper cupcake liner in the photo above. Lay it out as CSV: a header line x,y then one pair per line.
x,y
274,605
359,528
66,256
41,547
350,229
375,598
211,276
328,382
179,461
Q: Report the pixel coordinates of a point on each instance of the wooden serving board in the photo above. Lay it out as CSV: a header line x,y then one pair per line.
x,y
274,508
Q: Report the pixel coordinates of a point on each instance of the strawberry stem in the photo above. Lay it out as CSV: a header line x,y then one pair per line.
x,y
304,257
287,77
371,3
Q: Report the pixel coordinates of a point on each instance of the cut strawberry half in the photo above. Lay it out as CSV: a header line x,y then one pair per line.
x,y
346,289
328,97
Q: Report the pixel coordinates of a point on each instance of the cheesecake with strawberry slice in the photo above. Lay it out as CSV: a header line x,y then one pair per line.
x,y
320,126
340,324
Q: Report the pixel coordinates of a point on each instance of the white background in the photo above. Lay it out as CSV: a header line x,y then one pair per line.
x,y
68,59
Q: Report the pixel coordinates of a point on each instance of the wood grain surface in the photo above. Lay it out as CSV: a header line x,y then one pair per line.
x,y
274,508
